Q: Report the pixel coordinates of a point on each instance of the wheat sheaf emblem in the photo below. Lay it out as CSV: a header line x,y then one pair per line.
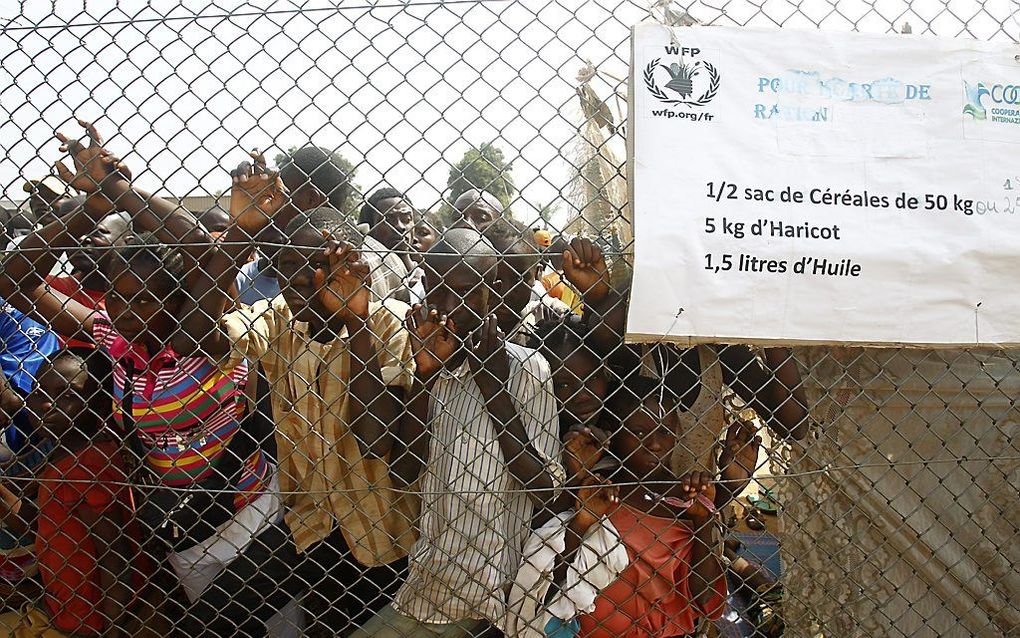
x,y
681,82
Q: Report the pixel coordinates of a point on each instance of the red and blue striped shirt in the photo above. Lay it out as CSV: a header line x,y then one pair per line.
x,y
186,410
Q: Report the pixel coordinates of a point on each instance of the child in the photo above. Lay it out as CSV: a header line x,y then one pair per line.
x,y
481,434
581,384
185,410
673,576
580,377
87,543
24,347
338,364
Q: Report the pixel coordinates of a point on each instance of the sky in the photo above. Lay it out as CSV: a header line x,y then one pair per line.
x,y
400,88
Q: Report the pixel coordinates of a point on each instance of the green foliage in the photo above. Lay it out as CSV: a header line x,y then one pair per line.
x,y
483,168
546,212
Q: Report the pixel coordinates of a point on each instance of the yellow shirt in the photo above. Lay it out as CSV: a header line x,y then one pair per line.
x,y
560,288
324,477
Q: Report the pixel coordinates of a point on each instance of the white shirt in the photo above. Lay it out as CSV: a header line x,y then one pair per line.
x,y
388,270
598,562
475,514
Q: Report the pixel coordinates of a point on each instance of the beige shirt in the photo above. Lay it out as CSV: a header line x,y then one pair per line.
x,y
324,477
475,514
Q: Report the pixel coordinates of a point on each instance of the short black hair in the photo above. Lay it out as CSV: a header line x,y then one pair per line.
x,y
321,168
462,245
464,241
634,391
92,385
213,211
326,219
507,235
166,261
515,240
558,336
371,214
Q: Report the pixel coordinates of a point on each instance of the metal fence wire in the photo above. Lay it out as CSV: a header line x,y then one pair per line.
x,y
316,329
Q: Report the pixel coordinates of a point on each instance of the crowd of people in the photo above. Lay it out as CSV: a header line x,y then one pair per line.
x,y
271,415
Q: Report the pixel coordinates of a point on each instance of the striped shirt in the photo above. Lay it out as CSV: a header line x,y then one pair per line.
x,y
325,479
186,410
475,514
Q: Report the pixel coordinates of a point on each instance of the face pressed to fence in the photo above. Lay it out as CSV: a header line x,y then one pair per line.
x,y
423,237
143,302
460,275
459,290
62,398
296,266
646,438
580,384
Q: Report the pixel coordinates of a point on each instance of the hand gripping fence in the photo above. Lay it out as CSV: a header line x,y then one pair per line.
x,y
316,329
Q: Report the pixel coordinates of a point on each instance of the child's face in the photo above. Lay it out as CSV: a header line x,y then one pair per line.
x,y
580,384
459,287
138,304
59,402
296,266
646,440
424,236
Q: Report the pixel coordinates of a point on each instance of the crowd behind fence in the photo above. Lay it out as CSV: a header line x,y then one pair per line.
x,y
313,325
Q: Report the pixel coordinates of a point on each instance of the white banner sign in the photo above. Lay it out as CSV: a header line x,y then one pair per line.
x,y
810,187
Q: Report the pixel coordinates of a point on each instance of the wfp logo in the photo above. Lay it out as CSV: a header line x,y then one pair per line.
x,y
689,83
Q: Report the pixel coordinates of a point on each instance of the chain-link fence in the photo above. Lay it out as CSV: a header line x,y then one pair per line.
x,y
369,378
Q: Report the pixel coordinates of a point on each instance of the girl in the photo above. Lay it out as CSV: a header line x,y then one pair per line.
x,y
183,410
574,581
666,523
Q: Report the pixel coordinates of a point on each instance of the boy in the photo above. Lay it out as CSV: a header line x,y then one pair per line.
x,y
338,364
87,544
481,434
310,178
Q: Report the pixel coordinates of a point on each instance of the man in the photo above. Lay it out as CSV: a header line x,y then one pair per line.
x,y
390,218
481,435
338,363
87,283
478,209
